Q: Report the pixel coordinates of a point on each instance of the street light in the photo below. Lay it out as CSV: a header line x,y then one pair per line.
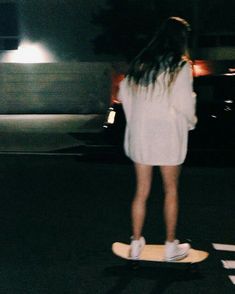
x,y
29,52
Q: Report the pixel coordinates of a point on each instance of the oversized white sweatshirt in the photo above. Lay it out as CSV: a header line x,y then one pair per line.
x,y
158,119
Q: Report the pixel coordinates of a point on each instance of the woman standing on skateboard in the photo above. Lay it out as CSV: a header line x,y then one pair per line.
x,y
159,105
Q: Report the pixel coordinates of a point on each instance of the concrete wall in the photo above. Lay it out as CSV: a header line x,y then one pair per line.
x,y
55,88
216,53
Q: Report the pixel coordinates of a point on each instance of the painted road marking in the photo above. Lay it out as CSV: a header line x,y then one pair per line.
x,y
228,264
232,278
224,247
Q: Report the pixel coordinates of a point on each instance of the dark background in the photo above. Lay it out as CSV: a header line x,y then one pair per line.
x,y
86,30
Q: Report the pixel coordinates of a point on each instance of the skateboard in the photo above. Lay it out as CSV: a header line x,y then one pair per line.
x,y
155,253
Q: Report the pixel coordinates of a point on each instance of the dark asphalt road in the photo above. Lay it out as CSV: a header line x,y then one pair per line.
x,y
60,215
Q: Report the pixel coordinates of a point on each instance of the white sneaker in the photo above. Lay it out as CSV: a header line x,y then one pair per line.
x,y
136,248
175,251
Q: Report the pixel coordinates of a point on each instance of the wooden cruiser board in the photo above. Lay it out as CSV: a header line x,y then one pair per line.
x,y
156,253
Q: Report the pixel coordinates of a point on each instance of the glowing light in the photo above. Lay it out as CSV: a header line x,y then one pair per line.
x,y
228,101
227,108
29,53
229,74
201,68
111,117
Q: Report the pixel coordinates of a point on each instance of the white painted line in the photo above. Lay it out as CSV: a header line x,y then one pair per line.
x,y
228,264
232,278
41,153
224,247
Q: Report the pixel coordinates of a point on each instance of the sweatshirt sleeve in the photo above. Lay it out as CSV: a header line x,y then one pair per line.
x,y
183,98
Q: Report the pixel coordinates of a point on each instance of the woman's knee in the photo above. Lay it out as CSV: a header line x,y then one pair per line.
x,y
171,195
170,177
143,181
142,193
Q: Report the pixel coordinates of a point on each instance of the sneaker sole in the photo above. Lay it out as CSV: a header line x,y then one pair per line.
x,y
175,258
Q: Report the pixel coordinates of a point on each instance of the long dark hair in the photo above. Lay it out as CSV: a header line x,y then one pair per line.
x,y
163,53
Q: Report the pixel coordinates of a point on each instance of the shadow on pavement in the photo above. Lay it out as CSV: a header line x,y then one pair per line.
x,y
163,276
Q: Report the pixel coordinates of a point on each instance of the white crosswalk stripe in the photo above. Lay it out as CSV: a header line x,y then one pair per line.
x,y
232,278
227,264
224,247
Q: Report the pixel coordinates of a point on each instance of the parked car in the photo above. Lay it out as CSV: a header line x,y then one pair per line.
x,y
213,140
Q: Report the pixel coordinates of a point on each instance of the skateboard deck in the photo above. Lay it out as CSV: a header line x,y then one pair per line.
x,y
156,253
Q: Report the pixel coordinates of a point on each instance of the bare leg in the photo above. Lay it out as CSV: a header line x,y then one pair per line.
x,y
143,186
170,176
